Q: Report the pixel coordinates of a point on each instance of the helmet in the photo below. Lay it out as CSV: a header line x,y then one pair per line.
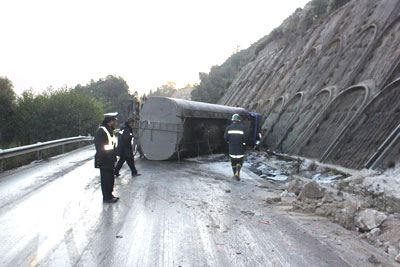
x,y
235,117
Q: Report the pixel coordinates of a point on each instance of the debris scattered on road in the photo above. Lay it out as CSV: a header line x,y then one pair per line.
x,y
220,244
397,258
264,222
248,213
119,236
227,190
369,219
295,187
311,190
373,260
272,200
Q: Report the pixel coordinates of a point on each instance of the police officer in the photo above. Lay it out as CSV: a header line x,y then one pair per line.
x,y
124,150
235,135
105,157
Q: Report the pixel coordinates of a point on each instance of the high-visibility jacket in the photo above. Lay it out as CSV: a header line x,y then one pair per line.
x,y
105,144
235,135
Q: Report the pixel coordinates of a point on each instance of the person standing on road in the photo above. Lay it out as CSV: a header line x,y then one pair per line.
x,y
125,150
235,135
105,157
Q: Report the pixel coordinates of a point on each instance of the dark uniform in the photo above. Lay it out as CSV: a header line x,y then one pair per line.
x,y
235,135
105,159
125,150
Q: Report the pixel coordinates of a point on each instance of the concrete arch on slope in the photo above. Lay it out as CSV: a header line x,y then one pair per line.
x,y
300,71
284,118
325,61
256,79
369,129
380,61
347,63
273,114
311,112
393,74
254,107
265,107
329,126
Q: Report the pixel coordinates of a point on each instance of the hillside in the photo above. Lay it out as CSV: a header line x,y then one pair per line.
x,y
327,84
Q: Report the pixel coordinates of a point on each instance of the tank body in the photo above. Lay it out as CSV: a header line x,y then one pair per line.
x,y
173,128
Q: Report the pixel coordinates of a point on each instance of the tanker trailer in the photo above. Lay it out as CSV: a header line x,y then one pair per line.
x,y
174,128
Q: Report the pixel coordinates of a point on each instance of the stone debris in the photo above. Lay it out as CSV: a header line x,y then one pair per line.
x,y
374,233
373,260
248,213
272,200
360,201
311,190
392,251
285,193
345,216
369,219
294,187
397,258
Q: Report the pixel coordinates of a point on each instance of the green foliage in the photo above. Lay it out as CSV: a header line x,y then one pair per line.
x,y
112,92
335,4
214,84
319,7
7,106
54,114
166,90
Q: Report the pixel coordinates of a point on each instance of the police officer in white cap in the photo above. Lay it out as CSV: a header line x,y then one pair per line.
x,y
105,157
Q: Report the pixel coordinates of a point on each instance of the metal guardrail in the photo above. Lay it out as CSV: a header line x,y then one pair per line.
x,y
38,147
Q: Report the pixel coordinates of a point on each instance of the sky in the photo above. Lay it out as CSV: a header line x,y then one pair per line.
x,y
65,42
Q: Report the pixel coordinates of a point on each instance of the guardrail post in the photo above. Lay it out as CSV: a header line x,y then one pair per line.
x,y
62,149
39,155
1,165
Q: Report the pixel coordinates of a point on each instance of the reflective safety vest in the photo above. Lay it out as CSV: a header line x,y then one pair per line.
x,y
235,132
235,135
111,140
236,156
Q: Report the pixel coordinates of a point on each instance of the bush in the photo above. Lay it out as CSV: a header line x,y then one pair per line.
x,y
54,114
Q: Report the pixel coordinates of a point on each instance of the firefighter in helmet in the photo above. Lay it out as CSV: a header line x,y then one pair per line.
x,y
235,135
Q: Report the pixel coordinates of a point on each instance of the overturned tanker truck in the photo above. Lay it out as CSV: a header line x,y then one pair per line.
x,y
174,128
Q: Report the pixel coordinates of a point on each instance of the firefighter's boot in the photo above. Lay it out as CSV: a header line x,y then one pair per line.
x,y
237,173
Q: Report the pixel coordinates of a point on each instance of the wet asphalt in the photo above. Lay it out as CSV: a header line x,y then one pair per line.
x,y
175,214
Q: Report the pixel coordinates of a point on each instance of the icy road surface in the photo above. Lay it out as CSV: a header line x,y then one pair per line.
x,y
176,214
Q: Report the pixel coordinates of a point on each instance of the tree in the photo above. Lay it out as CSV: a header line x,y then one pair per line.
x,y
7,106
55,114
319,8
166,90
112,92
335,4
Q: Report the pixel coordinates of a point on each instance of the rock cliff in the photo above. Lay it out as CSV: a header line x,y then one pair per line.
x,y
331,92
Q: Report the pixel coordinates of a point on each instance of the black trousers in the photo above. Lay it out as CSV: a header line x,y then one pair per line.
x,y
129,160
235,162
107,183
